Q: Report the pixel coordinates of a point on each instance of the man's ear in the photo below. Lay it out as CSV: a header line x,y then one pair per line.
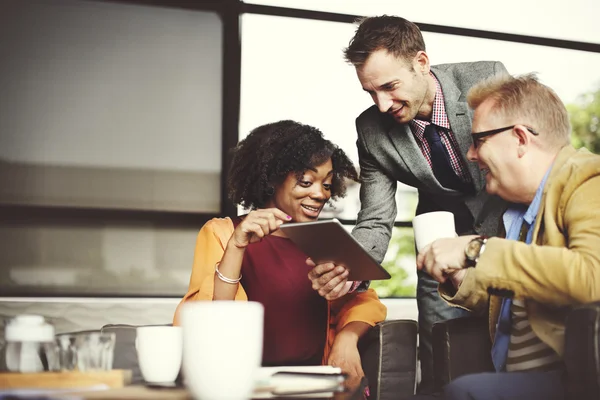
x,y
421,63
523,137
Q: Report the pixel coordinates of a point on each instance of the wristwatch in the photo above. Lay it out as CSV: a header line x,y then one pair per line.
x,y
474,250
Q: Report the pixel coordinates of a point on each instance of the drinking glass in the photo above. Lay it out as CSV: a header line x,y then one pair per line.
x,y
95,351
62,353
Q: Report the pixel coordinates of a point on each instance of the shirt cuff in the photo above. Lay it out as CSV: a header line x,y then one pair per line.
x,y
359,286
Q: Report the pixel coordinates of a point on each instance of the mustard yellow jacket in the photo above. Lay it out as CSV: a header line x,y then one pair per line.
x,y
560,269
210,247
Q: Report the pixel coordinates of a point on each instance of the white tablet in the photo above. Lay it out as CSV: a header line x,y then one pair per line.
x,y
328,241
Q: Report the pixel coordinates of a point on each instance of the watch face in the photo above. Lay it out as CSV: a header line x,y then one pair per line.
x,y
472,250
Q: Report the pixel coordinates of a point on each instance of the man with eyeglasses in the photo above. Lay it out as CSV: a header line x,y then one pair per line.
x,y
417,133
548,261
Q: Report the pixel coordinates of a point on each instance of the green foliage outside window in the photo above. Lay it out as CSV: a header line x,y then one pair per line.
x,y
399,260
584,114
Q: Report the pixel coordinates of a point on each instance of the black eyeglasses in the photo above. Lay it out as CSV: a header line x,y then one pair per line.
x,y
480,135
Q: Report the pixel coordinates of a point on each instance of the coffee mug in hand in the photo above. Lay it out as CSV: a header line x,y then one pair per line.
x,y
159,351
222,343
431,226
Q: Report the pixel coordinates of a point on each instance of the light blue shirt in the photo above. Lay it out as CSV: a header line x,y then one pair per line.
x,y
513,219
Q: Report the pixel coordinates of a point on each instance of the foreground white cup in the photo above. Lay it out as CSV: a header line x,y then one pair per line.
x,y
431,226
159,350
222,342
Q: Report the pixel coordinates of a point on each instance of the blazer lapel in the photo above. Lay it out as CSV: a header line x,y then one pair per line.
x,y
459,116
406,145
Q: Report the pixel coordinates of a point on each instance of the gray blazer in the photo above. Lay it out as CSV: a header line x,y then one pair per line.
x,y
388,153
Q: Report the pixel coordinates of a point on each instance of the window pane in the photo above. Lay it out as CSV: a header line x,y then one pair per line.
x,y
299,74
66,256
573,20
400,262
556,68
110,105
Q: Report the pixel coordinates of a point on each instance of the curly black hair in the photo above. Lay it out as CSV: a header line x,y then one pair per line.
x,y
270,152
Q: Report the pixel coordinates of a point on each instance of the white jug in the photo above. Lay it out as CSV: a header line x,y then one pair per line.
x,y
25,337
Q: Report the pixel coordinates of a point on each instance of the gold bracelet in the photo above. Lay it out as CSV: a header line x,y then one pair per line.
x,y
224,278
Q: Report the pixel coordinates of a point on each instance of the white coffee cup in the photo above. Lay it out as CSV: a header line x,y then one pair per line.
x,y
222,343
159,351
431,226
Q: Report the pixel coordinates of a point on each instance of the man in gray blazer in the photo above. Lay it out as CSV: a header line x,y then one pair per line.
x,y
418,133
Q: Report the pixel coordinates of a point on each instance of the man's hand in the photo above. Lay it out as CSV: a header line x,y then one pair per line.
x,y
329,280
445,258
344,352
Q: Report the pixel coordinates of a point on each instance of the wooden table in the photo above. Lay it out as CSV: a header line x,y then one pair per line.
x,y
135,392
354,391
115,378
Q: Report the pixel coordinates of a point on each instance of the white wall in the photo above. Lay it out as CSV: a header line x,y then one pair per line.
x,y
72,314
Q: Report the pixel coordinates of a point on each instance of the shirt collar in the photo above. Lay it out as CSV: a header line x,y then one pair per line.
x,y
439,116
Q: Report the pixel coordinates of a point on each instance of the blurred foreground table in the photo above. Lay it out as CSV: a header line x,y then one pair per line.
x,y
353,391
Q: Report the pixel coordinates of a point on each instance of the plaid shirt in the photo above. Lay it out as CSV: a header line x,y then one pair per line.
x,y
440,118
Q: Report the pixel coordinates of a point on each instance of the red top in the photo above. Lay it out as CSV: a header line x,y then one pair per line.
x,y
275,274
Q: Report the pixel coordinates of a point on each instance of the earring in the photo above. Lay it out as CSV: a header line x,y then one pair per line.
x,y
270,191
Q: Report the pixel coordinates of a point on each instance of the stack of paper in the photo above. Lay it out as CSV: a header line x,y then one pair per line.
x,y
322,381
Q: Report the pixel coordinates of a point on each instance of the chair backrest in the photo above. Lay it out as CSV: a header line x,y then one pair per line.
x,y
388,354
450,338
582,352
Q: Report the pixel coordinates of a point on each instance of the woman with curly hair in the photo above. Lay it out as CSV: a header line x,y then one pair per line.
x,y
283,172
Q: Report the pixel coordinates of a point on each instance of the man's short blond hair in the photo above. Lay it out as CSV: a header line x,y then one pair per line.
x,y
524,100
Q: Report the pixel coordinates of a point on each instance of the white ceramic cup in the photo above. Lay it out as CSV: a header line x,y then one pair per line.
x,y
431,226
222,343
159,351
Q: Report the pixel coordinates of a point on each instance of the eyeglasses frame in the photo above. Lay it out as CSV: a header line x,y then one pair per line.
x,y
476,136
